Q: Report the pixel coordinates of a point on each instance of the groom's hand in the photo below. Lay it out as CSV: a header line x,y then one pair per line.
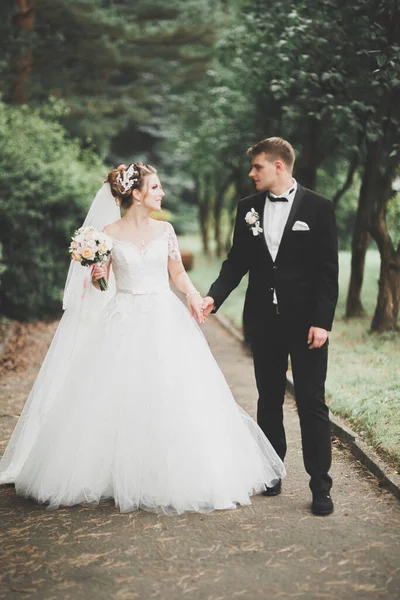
x,y
208,305
316,337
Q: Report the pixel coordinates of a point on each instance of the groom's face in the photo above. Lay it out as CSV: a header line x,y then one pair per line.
x,y
263,171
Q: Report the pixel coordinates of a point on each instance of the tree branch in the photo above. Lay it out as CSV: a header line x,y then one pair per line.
x,y
354,163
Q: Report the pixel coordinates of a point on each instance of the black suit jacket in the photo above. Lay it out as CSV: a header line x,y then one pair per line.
x,y
305,271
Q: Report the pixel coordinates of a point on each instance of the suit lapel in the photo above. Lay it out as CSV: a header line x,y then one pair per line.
x,y
292,216
259,207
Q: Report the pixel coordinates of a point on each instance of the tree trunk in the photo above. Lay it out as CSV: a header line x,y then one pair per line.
x,y
220,192
241,192
24,20
387,307
361,235
218,204
231,224
306,168
353,166
369,192
203,193
359,246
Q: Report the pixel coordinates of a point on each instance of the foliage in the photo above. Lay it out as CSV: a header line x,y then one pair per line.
x,y
189,86
46,184
114,63
325,75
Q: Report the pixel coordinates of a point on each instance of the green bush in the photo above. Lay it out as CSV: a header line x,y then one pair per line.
x,y
46,184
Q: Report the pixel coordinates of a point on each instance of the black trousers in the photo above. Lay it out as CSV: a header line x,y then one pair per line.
x,y
271,350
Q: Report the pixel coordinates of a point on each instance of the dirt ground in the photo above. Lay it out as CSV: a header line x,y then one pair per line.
x,y
274,548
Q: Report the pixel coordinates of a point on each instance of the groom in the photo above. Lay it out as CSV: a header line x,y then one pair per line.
x,y
285,237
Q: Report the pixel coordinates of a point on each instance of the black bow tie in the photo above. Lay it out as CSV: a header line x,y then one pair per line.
x,y
274,199
282,199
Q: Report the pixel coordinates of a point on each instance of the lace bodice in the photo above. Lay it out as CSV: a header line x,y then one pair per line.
x,y
144,271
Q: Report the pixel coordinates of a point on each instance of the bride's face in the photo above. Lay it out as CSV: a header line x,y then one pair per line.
x,y
153,193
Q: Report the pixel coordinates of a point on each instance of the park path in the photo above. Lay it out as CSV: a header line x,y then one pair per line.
x,y
272,549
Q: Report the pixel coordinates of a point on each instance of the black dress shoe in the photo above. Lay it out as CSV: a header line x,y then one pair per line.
x,y
274,490
322,504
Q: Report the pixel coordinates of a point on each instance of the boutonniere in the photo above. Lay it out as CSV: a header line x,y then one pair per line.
x,y
252,219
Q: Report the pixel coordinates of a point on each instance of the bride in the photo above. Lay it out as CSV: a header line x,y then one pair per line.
x,y
129,403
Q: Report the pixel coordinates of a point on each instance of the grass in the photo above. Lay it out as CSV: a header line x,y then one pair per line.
x,y
363,383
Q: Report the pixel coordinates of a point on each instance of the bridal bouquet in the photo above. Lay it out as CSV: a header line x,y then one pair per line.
x,y
89,247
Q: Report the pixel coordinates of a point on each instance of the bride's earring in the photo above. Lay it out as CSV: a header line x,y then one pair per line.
x,y
138,203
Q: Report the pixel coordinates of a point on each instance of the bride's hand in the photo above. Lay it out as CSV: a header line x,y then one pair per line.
x,y
195,306
98,272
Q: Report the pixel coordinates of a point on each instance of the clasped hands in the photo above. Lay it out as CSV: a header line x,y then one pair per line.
x,y
199,307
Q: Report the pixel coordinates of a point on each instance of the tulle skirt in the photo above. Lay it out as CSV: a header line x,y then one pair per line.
x,y
144,415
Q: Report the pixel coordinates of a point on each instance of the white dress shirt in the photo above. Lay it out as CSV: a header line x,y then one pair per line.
x,y
275,217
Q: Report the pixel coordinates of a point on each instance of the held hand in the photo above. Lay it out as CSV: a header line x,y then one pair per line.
x,y
316,337
98,272
208,305
195,305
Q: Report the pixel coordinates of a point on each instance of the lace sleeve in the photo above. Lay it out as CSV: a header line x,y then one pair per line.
x,y
108,259
173,246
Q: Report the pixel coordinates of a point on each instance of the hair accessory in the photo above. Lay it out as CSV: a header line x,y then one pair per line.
x,y
128,178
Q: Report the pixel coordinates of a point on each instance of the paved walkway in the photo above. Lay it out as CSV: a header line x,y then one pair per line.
x,y
272,549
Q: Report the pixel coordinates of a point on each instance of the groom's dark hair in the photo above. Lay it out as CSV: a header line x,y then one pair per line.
x,y
276,148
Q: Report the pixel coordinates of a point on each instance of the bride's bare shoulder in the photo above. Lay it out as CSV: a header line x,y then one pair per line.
x,y
161,225
112,228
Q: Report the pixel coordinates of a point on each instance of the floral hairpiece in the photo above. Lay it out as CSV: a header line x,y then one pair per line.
x,y
127,179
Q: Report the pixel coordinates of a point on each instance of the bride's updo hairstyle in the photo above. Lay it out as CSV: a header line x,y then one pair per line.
x,y
123,180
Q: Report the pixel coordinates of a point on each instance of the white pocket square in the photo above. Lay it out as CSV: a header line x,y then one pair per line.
x,y
300,226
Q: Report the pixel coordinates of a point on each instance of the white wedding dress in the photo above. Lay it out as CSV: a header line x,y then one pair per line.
x,y
140,412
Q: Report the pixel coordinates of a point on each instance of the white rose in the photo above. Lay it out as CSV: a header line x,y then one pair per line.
x,y
103,248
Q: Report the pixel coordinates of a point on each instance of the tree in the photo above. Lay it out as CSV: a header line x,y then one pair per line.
x,y
306,74
22,64
381,160
113,63
274,77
